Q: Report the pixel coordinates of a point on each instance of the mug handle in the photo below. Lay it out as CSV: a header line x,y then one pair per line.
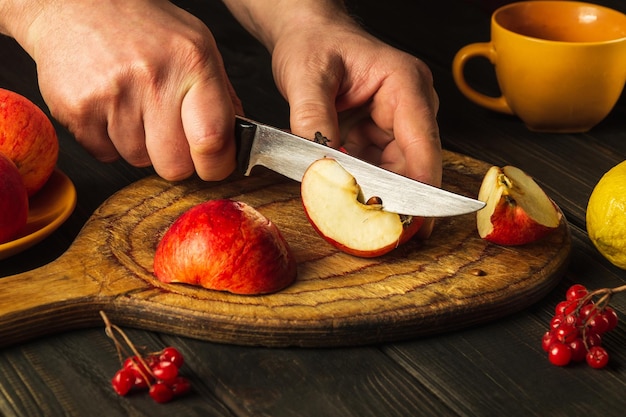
x,y
474,50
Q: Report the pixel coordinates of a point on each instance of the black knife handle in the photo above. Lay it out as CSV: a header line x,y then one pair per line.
x,y
244,137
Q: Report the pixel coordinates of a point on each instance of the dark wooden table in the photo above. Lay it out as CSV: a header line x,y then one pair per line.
x,y
494,369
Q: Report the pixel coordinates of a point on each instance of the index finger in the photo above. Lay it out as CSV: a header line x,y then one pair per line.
x,y
417,134
408,110
208,116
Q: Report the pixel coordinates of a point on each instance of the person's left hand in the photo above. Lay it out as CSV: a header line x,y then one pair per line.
x,y
377,102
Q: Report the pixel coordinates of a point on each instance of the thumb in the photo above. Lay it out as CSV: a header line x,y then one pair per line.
x,y
312,110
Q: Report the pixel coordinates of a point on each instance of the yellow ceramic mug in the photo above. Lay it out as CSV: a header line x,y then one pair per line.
x,y
560,65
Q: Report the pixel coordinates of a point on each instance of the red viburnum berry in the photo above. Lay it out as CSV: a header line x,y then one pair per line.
x,y
165,371
559,354
597,357
576,292
123,381
172,354
161,392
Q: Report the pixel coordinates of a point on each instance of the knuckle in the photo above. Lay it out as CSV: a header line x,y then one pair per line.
x,y
174,172
208,143
306,118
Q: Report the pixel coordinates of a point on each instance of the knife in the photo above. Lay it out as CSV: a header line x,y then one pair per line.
x,y
291,155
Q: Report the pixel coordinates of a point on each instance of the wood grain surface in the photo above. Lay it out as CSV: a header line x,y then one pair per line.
x,y
452,280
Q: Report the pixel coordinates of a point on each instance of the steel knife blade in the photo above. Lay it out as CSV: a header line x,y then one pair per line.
x,y
291,155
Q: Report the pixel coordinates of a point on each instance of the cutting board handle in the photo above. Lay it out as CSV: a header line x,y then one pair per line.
x,y
67,293
43,300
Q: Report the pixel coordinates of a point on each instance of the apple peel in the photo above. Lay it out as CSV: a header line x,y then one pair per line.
x,y
517,210
333,204
225,245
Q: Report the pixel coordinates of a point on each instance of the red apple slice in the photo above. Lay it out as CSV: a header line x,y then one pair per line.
x,y
517,210
225,245
334,206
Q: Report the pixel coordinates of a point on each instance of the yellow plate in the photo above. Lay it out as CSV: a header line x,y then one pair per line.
x,y
48,209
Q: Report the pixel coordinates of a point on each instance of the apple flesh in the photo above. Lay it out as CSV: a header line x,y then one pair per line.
x,y
335,207
13,200
28,138
225,245
517,210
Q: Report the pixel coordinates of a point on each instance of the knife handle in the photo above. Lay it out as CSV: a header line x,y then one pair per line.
x,y
244,138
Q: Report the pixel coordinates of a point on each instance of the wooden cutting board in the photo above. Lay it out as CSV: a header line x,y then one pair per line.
x,y
452,280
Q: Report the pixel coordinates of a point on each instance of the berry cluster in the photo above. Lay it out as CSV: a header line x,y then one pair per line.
x,y
157,372
578,325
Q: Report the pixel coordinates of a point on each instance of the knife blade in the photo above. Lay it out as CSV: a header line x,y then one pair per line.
x,y
291,155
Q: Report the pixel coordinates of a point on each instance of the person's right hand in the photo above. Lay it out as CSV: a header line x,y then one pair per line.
x,y
140,79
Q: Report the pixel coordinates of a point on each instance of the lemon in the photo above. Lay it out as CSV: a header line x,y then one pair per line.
x,y
606,215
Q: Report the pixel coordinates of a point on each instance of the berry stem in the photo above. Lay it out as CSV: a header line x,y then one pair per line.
x,y
110,330
605,295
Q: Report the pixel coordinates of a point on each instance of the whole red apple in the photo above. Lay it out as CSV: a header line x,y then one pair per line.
x,y
332,202
13,200
517,210
225,245
28,138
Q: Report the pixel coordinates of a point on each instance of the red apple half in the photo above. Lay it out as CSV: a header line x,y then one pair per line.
x,y
225,245
517,210
335,208
13,200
